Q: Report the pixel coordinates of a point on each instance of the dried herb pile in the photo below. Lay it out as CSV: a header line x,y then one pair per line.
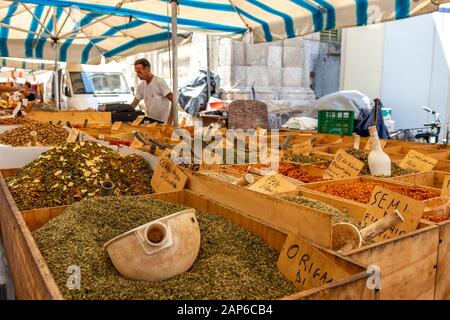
x,y
14,121
220,176
301,158
47,135
361,191
396,170
67,174
232,263
337,216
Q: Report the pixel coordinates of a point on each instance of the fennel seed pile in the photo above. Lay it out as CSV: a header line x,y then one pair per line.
x,y
47,135
232,263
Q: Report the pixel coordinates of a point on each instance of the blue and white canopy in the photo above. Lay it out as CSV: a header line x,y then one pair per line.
x,y
26,64
30,30
268,20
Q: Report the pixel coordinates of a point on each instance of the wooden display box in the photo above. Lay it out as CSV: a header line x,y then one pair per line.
x,y
411,275
74,117
33,280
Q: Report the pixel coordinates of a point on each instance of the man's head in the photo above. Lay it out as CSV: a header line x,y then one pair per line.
x,y
142,68
28,85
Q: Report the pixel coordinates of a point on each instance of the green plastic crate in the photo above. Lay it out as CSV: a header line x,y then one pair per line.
x,y
335,122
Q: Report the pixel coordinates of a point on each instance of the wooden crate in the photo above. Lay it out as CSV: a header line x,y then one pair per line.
x,y
33,280
74,117
432,179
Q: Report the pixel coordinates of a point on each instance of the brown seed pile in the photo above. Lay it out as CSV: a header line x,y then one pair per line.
x,y
395,168
14,121
67,174
337,216
361,191
232,262
47,135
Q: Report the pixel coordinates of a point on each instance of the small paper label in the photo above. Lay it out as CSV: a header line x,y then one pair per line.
x,y
138,121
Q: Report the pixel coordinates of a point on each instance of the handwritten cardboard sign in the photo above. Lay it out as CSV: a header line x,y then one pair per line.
x,y
418,161
167,177
305,266
73,135
369,145
343,166
383,201
445,191
303,147
137,121
273,184
136,143
116,125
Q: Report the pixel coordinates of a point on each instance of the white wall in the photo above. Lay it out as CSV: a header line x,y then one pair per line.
x,y
362,59
405,63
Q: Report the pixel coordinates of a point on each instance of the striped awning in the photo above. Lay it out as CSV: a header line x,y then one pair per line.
x,y
26,64
267,20
31,30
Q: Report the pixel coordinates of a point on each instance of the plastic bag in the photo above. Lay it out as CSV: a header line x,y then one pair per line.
x,y
362,128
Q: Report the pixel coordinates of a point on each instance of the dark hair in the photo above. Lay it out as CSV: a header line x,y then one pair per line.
x,y
144,62
28,84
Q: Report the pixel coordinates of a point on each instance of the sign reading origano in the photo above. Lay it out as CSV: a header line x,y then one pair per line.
x,y
167,177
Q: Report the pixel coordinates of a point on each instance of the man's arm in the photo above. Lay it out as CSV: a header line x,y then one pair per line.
x,y
169,97
135,103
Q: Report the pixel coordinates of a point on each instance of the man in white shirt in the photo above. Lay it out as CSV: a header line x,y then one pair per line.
x,y
155,92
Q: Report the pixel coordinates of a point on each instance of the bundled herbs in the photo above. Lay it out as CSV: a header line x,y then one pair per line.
x,y
396,170
232,262
67,174
337,216
47,135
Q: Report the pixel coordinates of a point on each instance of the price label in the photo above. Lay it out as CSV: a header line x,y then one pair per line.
x,y
138,121
418,161
273,184
73,135
167,177
116,125
343,166
383,201
369,145
305,266
136,143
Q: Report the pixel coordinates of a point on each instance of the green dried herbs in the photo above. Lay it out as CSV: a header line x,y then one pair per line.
x,y
395,168
301,158
47,135
232,263
220,176
64,175
337,216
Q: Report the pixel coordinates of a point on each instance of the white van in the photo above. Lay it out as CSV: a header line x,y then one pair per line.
x,y
90,86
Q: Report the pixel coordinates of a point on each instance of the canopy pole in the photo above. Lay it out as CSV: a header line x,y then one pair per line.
x,y
56,42
174,4
208,66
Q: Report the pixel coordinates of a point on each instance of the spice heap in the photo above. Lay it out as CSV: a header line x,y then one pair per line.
x,y
396,170
67,174
298,172
301,158
220,176
361,191
337,216
437,219
232,262
287,169
47,135
14,121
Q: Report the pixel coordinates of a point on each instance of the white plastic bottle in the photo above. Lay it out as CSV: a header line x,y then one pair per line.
x,y
379,161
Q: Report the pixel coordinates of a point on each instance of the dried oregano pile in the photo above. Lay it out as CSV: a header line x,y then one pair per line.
x,y
232,263
337,216
67,174
47,135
